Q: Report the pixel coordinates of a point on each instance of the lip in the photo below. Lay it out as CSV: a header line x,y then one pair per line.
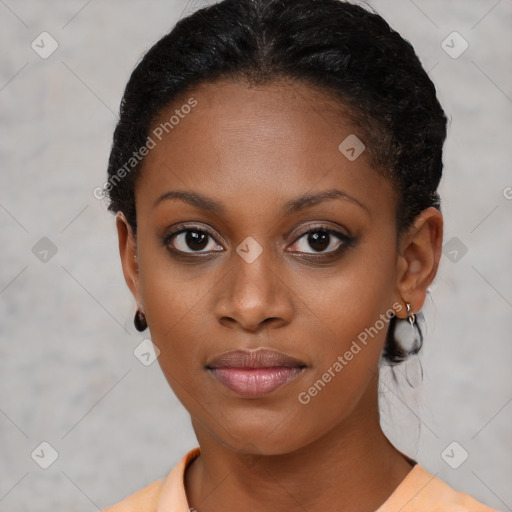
x,y
257,358
254,373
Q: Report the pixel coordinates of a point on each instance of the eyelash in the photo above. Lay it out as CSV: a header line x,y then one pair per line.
x,y
346,241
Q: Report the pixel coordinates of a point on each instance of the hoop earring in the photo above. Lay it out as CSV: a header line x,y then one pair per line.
x,y
409,342
411,317
140,321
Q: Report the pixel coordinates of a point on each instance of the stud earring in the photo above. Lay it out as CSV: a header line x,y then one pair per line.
x,y
140,321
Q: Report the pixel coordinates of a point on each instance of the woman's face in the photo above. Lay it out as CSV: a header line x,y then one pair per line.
x,y
245,275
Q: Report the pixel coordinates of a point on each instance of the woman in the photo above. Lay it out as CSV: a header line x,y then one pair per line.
x,y
274,177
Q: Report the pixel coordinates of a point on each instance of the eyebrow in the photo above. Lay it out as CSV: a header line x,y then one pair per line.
x,y
294,205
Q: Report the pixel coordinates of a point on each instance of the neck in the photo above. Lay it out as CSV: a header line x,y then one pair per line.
x,y
353,465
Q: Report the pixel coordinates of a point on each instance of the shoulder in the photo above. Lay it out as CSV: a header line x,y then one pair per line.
x,y
167,493
145,499
421,491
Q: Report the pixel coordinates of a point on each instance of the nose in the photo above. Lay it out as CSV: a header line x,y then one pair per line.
x,y
254,294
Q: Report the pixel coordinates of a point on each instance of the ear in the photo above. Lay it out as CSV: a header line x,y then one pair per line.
x,y
128,253
418,259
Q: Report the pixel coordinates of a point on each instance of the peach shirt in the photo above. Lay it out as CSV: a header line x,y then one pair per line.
x,y
419,491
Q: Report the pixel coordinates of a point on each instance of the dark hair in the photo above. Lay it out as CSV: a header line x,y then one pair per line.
x,y
339,48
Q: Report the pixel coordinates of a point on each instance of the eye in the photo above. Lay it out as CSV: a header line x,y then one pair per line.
x,y
320,239
191,239
200,240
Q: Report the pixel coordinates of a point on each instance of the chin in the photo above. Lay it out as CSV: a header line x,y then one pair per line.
x,y
264,436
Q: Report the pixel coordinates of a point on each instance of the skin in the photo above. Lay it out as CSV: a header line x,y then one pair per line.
x,y
253,149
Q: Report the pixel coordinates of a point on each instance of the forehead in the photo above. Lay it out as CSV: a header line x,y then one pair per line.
x,y
264,143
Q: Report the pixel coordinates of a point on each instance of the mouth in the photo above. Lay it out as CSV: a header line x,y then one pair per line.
x,y
255,373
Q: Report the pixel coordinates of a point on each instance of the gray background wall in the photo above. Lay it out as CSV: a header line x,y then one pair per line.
x,y
67,372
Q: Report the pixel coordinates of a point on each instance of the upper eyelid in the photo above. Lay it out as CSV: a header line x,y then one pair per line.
x,y
188,227
324,227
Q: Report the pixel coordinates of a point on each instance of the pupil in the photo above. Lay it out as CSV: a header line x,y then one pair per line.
x,y
321,240
196,240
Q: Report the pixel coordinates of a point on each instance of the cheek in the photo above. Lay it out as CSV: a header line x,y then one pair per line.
x,y
349,321
171,304
173,311
355,295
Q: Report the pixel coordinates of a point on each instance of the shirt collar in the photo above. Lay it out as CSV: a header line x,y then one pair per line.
x,y
172,494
